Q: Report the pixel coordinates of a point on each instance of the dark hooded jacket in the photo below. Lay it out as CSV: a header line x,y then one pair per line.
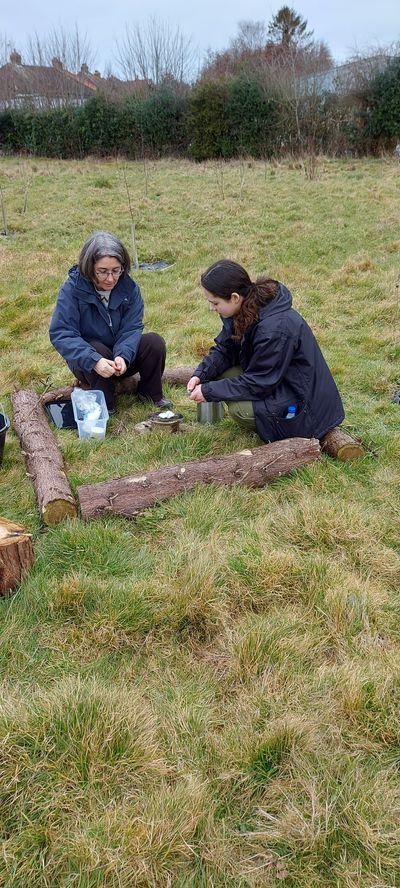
x,y
80,316
282,365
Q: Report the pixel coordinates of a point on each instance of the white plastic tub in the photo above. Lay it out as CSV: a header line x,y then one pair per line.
x,y
91,421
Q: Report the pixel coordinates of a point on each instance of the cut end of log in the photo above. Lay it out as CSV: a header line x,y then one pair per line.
x,y
340,445
58,510
8,529
16,555
350,451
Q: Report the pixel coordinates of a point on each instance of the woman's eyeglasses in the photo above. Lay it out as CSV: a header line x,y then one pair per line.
x,y
103,274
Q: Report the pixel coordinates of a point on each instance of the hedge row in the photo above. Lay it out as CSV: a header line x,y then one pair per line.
x,y
217,119
99,127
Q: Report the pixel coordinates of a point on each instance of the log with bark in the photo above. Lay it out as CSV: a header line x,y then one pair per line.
x,y
336,443
16,555
60,394
254,468
125,385
43,458
341,445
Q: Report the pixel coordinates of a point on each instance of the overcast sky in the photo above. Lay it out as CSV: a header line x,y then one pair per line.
x,y
344,24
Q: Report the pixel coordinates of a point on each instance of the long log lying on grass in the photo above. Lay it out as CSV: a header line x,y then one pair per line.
x,y
336,443
16,554
125,385
254,468
43,458
341,445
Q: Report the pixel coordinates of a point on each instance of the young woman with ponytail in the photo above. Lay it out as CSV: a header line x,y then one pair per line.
x,y
265,359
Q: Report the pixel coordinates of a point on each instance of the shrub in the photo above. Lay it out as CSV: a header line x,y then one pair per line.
x,y
207,122
251,118
383,118
162,120
53,133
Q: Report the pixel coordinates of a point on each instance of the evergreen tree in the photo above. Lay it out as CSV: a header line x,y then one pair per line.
x,y
288,28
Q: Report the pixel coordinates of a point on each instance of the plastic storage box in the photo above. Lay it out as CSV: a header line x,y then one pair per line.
x,y
90,412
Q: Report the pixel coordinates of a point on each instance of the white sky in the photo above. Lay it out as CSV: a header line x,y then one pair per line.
x,y
343,24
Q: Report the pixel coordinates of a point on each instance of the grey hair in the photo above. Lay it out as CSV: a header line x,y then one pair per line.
x,y
98,245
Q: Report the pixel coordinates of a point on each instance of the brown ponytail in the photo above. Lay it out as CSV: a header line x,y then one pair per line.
x,y
260,292
226,277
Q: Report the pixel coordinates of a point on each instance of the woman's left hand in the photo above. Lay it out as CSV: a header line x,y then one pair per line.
x,y
197,395
120,365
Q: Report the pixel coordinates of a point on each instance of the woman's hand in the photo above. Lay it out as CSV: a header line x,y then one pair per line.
x,y
120,366
197,395
192,384
105,368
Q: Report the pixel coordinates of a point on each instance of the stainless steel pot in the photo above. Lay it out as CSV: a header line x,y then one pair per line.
x,y
211,411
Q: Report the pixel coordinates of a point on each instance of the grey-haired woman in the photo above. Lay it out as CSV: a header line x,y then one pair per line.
x,y
97,325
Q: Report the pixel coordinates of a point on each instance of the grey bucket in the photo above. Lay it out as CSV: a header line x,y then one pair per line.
x,y
4,425
210,411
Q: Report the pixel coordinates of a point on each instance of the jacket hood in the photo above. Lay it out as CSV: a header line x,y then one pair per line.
x,y
87,289
79,282
281,302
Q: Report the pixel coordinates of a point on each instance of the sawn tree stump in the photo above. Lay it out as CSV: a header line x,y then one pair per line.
x,y
16,555
43,458
254,468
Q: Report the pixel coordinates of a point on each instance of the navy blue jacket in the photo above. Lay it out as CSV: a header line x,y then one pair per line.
x,y
282,365
80,316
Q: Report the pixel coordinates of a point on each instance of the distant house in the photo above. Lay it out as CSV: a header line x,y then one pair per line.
x,y
39,86
112,87
43,87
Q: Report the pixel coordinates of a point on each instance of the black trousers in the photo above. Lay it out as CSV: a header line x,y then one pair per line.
x,y
149,362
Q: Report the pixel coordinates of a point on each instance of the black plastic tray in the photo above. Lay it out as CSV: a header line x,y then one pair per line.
x,y
61,413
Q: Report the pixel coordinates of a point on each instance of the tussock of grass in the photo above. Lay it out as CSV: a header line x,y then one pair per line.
x,y
207,697
271,757
59,753
338,820
281,638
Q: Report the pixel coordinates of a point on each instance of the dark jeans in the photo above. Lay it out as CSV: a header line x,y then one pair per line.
x,y
149,362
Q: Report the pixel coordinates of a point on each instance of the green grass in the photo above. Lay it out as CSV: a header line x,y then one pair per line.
x,y
207,696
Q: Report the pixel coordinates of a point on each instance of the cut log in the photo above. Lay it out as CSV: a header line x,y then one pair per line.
x,y
177,375
125,385
43,458
341,445
254,468
16,555
61,394
172,375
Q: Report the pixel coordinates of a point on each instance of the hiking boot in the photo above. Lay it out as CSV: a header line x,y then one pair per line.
x,y
163,403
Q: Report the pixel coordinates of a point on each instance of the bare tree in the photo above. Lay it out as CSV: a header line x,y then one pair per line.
x,y
71,48
6,46
355,76
252,50
155,52
251,36
289,75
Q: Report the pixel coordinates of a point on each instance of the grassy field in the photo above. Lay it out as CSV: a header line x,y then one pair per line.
x,y
207,697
